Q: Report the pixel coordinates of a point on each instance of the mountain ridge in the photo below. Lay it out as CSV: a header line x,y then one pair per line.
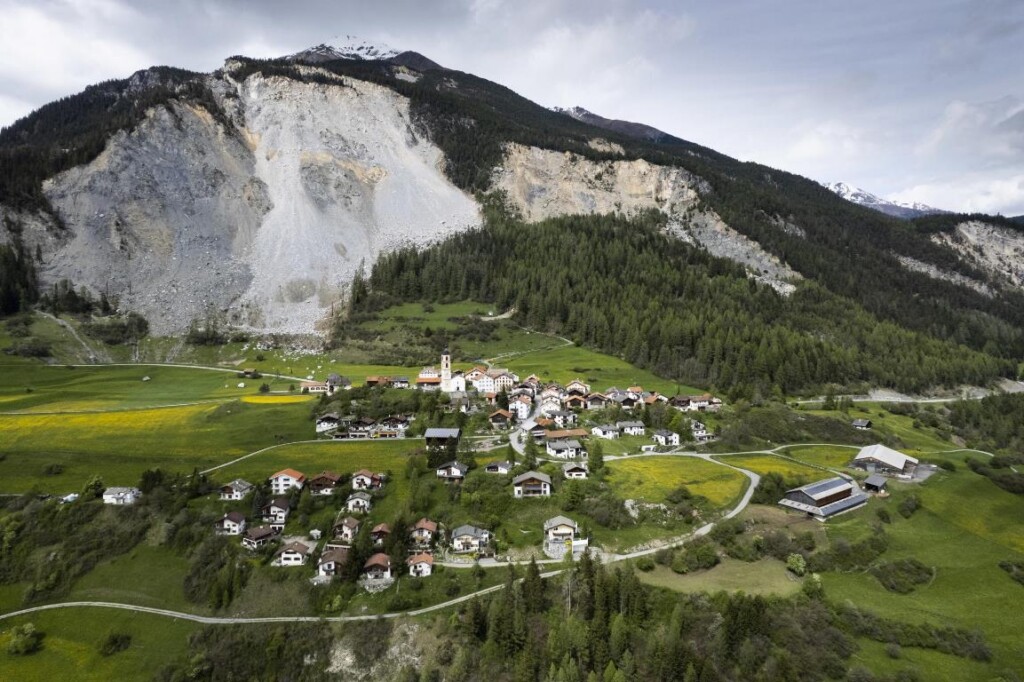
x,y
897,209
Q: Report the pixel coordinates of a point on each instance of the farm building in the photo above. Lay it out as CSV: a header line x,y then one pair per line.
x,y
440,438
882,460
824,499
875,483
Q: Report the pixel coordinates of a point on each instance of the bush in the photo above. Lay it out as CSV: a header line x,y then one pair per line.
x,y
115,642
902,575
699,554
883,515
53,470
946,464
893,650
796,564
31,348
645,564
908,506
1015,569
25,639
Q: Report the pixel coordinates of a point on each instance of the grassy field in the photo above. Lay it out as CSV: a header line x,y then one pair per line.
x,y
767,576
147,576
765,464
885,423
73,636
652,478
831,456
963,542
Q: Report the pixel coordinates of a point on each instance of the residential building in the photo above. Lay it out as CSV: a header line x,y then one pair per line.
x,y
346,529
359,502
423,532
564,449
236,490
420,565
366,480
575,470
328,422
666,438
293,554
608,431
324,483
470,539
500,419
332,560
285,480
531,484
452,472
377,567
632,428
379,534
498,467
276,512
232,523
563,418
121,496
441,437
258,538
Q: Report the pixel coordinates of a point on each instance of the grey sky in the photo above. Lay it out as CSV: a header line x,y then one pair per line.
x,y
918,99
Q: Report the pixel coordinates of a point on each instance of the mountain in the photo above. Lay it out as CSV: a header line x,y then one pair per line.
x,y
897,209
627,128
254,194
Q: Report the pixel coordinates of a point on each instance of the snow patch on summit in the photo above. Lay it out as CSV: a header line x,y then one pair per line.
x,y
346,47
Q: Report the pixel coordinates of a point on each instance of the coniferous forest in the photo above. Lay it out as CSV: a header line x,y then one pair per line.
x,y
627,288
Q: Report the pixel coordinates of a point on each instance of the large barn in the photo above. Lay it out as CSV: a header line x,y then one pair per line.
x,y
882,460
824,499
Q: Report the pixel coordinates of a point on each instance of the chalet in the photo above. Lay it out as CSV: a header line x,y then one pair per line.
x,y
824,499
372,381
531,484
550,404
346,529
474,375
666,437
575,470
498,467
441,438
623,401
366,480
121,496
285,480
575,402
337,382
363,425
700,432
359,502
276,512
522,406
324,483
485,384
862,424
504,380
332,560
596,401
315,387
631,428
232,523
470,539
490,397
565,434
428,383
380,534
423,531
293,554
500,419
537,432
420,565
564,449
258,538
882,460
577,387
875,483
328,422
552,391
377,567
560,529
608,431
236,490
400,382
563,418
452,472
397,422
635,391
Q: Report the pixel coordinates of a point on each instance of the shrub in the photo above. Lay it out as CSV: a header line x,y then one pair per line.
x,y
909,505
946,464
883,515
264,388
893,650
115,643
1015,569
902,575
645,564
796,564
53,470
32,348
25,639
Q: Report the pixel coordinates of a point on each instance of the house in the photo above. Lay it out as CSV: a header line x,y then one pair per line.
x,y
315,387
420,565
380,534
452,472
537,432
232,523
575,402
504,380
498,467
372,381
862,424
700,432
441,438
563,418
550,404
324,483
337,382
882,460
328,422
121,496
258,538
428,383
484,384
236,490
608,431
423,531
521,407
285,480
566,434
293,554
575,470
377,567
500,419
346,529
875,483
359,502
666,437
276,512
531,484
366,480
824,499
623,401
631,428
395,422
474,375
470,539
332,560
560,529
400,382
564,449
577,387
596,401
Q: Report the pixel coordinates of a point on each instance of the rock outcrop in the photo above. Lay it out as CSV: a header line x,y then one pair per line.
x,y
996,250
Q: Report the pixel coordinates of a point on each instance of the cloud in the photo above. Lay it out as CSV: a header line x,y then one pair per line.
x,y
829,140
989,193
990,131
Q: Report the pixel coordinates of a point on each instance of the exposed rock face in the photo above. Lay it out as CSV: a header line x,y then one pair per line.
x,y
937,273
996,250
542,184
265,219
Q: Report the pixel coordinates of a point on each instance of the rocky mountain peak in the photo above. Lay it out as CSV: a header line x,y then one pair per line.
x,y
346,47
898,209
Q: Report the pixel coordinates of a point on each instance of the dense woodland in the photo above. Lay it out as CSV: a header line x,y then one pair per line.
x,y
18,289
627,288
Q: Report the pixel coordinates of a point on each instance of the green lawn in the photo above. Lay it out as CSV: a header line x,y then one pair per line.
x,y
73,636
767,576
147,576
652,478
764,464
966,527
833,457
885,423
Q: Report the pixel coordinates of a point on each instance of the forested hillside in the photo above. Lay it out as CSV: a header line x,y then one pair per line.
x,y
627,288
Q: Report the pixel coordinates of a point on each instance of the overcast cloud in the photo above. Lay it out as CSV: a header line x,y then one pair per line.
x,y
919,100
